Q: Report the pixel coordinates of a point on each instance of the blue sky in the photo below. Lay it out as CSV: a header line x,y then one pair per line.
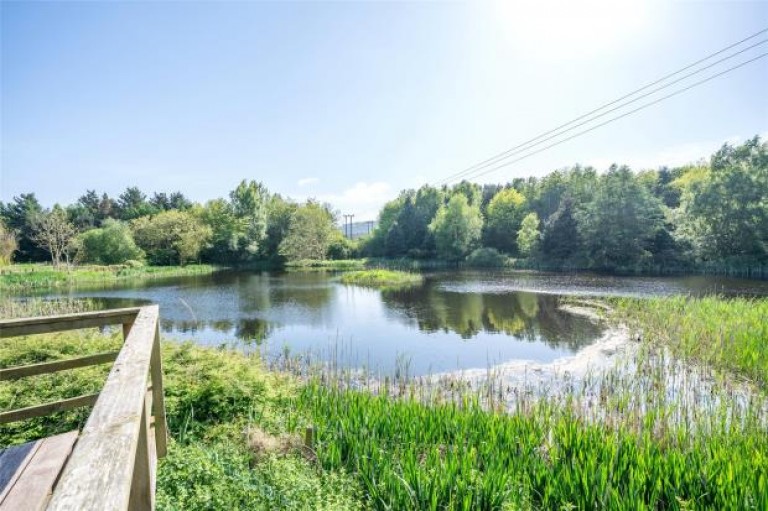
x,y
350,102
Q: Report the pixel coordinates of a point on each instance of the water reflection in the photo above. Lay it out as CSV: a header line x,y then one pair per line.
x,y
522,315
455,320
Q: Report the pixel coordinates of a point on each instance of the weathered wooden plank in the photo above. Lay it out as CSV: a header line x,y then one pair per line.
x,y
12,463
34,486
142,492
100,470
13,373
158,397
47,408
46,324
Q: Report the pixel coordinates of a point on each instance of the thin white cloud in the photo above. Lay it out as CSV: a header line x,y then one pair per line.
x,y
304,181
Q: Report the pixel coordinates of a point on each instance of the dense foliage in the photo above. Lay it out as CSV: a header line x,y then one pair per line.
x,y
219,404
709,215
236,429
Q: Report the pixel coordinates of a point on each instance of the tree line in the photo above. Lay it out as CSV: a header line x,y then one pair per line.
x,y
712,212
250,225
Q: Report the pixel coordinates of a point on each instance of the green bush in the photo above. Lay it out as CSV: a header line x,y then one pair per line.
x,y
111,244
487,258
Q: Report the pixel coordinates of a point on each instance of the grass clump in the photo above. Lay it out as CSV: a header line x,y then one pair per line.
x,y
382,278
412,455
216,402
27,277
730,335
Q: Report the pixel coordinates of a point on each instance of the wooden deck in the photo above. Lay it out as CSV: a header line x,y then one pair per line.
x,y
110,465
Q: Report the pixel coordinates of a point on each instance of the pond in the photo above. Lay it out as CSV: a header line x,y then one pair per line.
x,y
455,320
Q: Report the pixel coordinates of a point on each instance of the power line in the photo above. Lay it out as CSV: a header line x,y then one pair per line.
x,y
523,146
613,119
557,132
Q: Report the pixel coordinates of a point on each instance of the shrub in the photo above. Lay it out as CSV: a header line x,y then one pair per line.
x,y
487,258
111,244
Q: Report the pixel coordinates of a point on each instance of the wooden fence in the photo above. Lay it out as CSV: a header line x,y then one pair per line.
x,y
112,465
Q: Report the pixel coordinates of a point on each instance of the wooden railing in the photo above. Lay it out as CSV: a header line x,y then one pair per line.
x,y
112,466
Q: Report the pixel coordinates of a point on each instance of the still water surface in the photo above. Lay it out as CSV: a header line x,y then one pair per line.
x,y
455,320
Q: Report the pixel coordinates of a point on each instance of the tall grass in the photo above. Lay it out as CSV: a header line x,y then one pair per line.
x,y
27,277
409,455
31,307
728,334
382,278
213,398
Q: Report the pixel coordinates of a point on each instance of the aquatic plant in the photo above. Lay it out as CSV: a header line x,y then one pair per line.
x,y
381,278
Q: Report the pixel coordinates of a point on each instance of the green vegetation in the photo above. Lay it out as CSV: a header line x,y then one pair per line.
x,y
170,237
729,335
460,456
487,258
27,277
705,217
622,441
111,244
310,233
456,228
708,217
232,422
382,278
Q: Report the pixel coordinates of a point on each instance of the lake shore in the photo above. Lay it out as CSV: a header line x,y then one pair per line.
x,y
237,426
19,278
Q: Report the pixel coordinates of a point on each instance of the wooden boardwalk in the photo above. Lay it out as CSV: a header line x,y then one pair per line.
x,y
110,464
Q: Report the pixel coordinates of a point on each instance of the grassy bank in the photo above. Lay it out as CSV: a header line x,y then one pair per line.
x,y
236,429
27,277
235,433
729,335
381,278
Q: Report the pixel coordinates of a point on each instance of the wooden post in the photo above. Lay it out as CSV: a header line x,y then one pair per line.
x,y
309,437
158,399
142,494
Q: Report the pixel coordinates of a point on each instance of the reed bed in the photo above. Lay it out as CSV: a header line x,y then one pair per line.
x,y
29,277
382,278
32,307
677,422
730,335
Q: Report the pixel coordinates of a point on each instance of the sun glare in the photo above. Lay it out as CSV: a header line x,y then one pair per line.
x,y
568,29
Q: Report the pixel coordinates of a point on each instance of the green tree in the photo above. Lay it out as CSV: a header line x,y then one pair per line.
x,y
219,216
279,212
112,243
505,213
8,245
310,233
249,204
133,203
171,237
560,240
53,232
457,228
726,208
376,245
528,237
19,217
619,225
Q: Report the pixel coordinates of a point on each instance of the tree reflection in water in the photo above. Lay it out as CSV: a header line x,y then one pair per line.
x,y
521,315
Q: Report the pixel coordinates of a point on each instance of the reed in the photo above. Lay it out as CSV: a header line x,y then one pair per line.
x,y
29,277
382,278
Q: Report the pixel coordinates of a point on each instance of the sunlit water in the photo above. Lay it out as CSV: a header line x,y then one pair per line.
x,y
455,320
